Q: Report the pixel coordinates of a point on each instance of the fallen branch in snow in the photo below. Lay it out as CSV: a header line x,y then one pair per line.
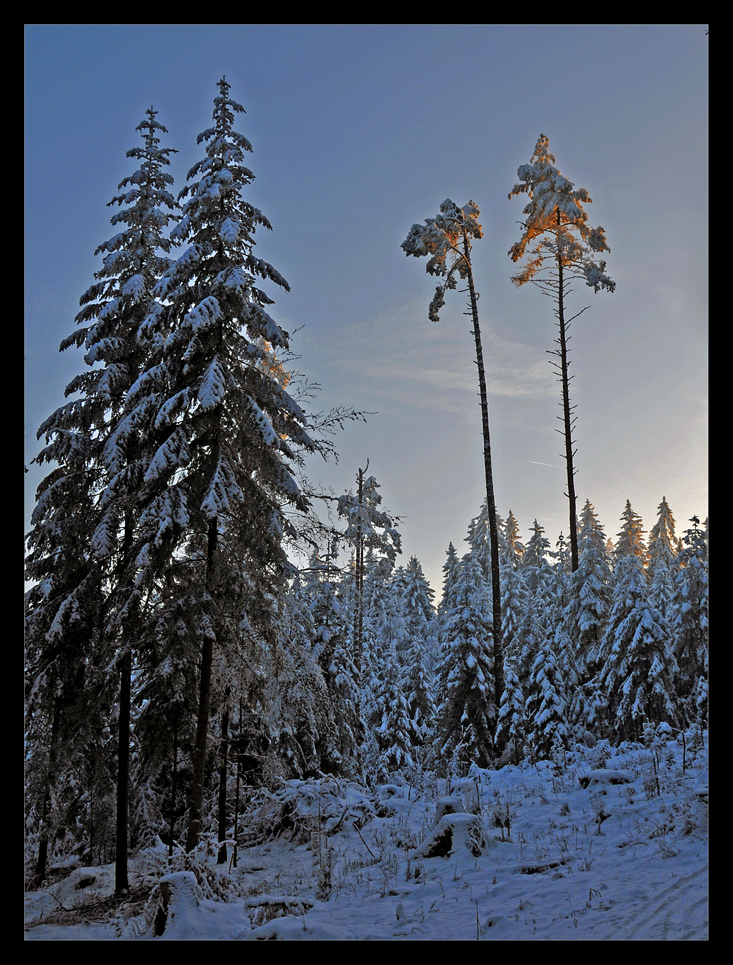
x,y
364,842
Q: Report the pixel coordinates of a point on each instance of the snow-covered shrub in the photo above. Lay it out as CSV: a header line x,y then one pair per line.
x,y
454,834
599,754
297,808
175,894
211,878
502,815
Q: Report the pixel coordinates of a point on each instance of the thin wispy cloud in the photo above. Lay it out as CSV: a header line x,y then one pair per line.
x,y
396,353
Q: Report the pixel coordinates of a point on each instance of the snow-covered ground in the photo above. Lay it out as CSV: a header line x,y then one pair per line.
x,y
611,846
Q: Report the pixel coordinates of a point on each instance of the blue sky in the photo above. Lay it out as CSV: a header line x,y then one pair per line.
x,y
360,130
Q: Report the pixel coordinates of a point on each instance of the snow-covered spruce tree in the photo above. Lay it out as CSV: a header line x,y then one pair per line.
x,y
561,589
114,309
61,637
380,603
561,557
421,632
342,682
164,690
99,523
535,564
515,603
62,619
639,672
588,603
300,704
395,729
468,709
598,709
513,724
446,240
662,564
558,246
417,597
373,534
531,602
514,593
227,431
639,666
383,631
478,537
630,538
511,548
551,602
331,649
546,702
450,575
691,622
533,627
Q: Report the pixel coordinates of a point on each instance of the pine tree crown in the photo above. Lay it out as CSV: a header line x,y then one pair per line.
x,y
556,231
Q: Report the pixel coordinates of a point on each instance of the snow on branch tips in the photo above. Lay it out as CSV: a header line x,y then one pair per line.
x,y
446,240
555,229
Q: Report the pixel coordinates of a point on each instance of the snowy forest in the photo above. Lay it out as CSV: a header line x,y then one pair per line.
x,y
206,625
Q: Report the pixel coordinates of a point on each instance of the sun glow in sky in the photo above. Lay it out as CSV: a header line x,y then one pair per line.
x,y
361,130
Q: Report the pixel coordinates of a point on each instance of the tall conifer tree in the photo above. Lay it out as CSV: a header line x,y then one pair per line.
x,y
640,666
446,240
136,258
88,506
588,604
559,245
468,711
662,564
228,432
691,619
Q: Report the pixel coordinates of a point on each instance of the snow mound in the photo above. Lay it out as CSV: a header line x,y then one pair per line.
x,y
453,835
183,914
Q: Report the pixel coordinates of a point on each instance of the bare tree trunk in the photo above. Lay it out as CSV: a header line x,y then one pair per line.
x,y
490,501
568,419
359,579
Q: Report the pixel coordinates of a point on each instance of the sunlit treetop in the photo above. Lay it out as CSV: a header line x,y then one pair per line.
x,y
446,239
556,229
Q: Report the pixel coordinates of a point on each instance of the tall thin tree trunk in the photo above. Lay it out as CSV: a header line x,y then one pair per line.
x,y
567,417
196,806
490,501
359,578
